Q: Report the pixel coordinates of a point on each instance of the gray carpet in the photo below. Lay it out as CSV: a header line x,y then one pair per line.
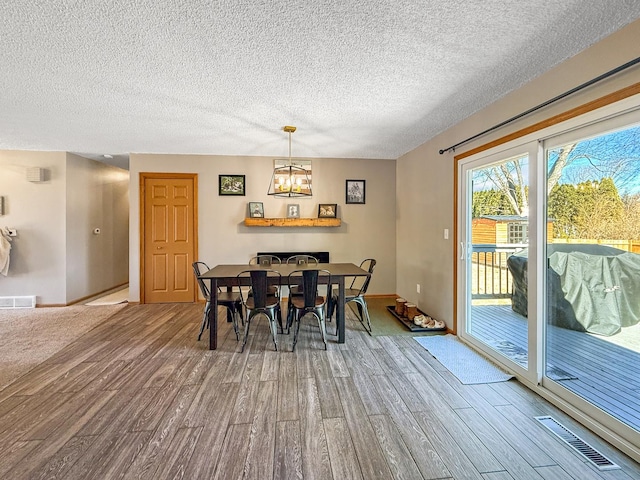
x,y
29,336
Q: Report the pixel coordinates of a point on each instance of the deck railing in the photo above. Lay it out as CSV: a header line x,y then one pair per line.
x,y
491,277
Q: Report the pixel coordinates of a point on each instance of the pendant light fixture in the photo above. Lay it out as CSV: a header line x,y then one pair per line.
x,y
290,180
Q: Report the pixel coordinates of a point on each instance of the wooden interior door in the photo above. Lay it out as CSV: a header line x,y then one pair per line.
x,y
169,239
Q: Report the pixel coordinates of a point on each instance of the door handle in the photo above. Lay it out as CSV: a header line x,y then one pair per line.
x,y
462,250
159,248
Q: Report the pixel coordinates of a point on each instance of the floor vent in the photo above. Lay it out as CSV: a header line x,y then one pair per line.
x,y
583,448
28,301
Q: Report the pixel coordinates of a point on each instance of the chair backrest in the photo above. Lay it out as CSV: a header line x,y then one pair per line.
x,y
302,260
309,284
265,260
260,280
362,283
198,269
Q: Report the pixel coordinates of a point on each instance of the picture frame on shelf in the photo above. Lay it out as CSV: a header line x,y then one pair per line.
x,y
293,210
355,191
256,210
231,185
327,210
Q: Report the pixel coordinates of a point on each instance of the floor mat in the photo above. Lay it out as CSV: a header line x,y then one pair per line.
x,y
468,366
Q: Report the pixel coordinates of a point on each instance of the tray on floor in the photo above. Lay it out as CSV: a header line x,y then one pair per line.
x,y
410,325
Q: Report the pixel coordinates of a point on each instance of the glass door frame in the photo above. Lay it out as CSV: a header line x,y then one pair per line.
x,y
465,167
612,430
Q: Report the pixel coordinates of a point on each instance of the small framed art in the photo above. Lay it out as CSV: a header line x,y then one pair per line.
x,y
293,210
256,210
327,210
355,191
231,185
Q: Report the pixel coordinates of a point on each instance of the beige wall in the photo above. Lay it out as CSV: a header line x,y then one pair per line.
x,y
367,230
425,179
37,211
97,197
55,256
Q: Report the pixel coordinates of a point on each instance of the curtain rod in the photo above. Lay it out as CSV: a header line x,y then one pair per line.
x,y
548,102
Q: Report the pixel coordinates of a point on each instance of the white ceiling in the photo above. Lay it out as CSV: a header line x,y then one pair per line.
x,y
359,78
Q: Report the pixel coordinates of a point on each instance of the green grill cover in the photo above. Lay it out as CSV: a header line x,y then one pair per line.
x,y
590,288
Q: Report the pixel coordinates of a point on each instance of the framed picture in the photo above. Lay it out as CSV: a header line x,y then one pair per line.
x,y
327,210
355,191
256,210
293,210
231,185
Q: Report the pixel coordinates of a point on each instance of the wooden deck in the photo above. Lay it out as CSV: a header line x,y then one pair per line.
x,y
138,397
603,370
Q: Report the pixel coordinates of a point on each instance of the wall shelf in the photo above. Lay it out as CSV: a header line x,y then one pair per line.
x,y
292,222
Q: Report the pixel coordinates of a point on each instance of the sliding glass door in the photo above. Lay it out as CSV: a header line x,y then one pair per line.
x,y
548,269
593,266
493,255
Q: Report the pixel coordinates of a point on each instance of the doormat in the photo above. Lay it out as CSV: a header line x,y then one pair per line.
x,y
468,366
519,355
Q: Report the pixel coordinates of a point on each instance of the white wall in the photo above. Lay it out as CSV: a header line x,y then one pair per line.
x,y
37,211
55,256
97,197
425,179
367,230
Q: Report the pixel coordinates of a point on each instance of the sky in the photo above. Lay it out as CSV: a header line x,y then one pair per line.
x,y
615,155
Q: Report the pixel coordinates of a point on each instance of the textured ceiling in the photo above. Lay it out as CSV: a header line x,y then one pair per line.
x,y
368,79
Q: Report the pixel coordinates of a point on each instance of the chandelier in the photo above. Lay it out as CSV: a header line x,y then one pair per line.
x,y
290,180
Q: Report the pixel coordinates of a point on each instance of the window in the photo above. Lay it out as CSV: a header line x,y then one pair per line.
x,y
518,233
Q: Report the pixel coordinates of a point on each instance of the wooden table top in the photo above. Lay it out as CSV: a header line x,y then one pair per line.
x,y
336,269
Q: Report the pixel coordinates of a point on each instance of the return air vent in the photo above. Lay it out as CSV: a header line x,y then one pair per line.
x,y
583,448
18,302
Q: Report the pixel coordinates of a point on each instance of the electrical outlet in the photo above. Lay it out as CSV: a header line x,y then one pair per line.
x,y
418,287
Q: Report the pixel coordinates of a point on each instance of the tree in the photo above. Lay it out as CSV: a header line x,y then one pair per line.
x,y
507,178
587,210
614,155
599,210
563,209
490,202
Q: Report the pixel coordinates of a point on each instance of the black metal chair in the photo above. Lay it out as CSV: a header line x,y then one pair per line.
x,y
355,293
309,302
302,260
259,301
266,261
231,300
295,289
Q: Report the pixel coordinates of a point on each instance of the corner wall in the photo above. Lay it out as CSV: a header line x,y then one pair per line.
x,y
367,230
97,197
55,255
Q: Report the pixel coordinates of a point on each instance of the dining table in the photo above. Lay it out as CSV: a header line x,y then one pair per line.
x,y
226,275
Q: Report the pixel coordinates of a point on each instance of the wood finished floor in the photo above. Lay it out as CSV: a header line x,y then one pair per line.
x,y
604,373
139,397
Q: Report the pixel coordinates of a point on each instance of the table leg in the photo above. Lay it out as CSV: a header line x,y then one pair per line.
x,y
340,320
213,316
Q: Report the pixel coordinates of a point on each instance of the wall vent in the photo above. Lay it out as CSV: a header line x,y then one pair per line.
x,y
28,301
583,448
